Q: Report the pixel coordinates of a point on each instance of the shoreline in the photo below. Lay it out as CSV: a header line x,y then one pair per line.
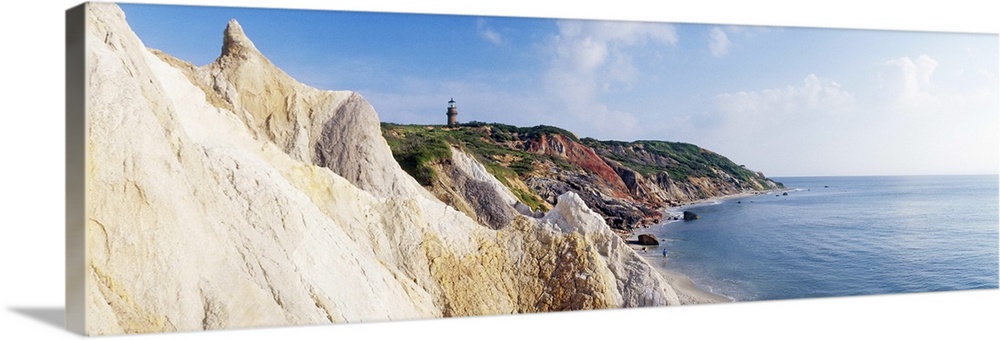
x,y
687,291
720,199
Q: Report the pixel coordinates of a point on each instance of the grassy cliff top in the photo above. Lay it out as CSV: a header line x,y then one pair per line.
x,y
502,149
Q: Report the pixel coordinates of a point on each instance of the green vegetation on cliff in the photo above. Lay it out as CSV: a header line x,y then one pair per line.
x,y
506,133
415,151
537,168
679,160
493,145
499,147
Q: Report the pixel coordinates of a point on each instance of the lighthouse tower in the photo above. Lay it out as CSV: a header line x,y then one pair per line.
x,y
452,113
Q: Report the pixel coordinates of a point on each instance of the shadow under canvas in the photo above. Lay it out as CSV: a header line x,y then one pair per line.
x,y
54,316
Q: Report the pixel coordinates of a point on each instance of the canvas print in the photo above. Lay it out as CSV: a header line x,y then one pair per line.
x,y
246,167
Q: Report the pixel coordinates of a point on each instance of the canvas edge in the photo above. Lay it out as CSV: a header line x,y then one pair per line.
x,y
75,175
75,168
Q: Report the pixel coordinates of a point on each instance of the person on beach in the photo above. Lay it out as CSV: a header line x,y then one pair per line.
x,y
664,252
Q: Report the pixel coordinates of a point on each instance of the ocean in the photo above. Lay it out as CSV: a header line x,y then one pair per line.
x,y
842,236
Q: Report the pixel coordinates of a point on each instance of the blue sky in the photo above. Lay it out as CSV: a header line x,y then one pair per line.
x,y
786,101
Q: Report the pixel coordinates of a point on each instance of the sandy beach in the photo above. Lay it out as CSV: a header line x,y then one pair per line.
x,y
688,293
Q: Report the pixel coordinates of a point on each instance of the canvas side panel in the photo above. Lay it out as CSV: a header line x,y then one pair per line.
x,y
75,167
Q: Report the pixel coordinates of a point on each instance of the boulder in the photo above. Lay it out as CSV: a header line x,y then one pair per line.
x,y
690,216
648,240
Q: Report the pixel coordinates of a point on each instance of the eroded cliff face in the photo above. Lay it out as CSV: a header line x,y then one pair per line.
x,y
628,183
714,175
582,156
597,182
231,195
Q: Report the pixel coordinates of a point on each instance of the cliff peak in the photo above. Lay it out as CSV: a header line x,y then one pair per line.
x,y
235,42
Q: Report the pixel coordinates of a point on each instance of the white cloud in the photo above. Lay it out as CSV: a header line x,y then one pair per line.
x,y
589,59
488,33
909,81
919,116
814,96
721,39
718,42
906,87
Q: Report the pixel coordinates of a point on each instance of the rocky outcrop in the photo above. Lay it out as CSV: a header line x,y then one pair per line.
x,y
619,213
231,195
595,181
690,216
308,124
648,240
577,154
470,188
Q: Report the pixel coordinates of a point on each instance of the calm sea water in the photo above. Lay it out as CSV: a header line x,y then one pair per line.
x,y
841,236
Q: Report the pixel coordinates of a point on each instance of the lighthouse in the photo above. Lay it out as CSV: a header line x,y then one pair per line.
x,y
452,113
